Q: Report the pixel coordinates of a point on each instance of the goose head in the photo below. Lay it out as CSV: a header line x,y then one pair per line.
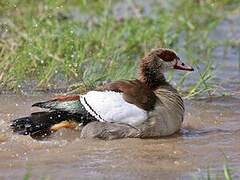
x,y
158,61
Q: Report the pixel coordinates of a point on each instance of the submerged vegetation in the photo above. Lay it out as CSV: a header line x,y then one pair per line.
x,y
225,174
79,44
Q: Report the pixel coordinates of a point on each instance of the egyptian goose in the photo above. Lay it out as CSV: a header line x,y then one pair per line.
x,y
146,107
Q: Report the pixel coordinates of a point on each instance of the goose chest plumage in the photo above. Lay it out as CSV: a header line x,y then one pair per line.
x,y
146,107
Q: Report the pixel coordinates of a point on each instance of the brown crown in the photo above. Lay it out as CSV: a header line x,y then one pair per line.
x,y
165,54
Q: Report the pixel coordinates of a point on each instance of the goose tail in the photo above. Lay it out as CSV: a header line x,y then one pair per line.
x,y
39,124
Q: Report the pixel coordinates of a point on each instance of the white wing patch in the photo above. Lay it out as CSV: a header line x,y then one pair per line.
x,y
111,107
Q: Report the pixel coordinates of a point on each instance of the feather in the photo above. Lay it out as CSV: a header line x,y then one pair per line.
x,y
38,123
110,106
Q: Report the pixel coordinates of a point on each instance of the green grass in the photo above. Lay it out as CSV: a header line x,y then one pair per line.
x,y
226,174
84,43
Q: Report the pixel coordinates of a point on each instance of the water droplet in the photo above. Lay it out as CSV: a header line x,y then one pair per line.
x,y
176,162
28,125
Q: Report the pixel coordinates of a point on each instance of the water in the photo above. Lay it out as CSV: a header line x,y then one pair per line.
x,y
209,138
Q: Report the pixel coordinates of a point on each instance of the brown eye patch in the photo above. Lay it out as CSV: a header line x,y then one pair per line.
x,y
167,55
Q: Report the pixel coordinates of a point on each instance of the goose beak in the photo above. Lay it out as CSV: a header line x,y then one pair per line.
x,y
182,66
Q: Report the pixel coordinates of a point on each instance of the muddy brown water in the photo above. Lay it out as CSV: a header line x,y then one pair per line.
x,y
209,138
